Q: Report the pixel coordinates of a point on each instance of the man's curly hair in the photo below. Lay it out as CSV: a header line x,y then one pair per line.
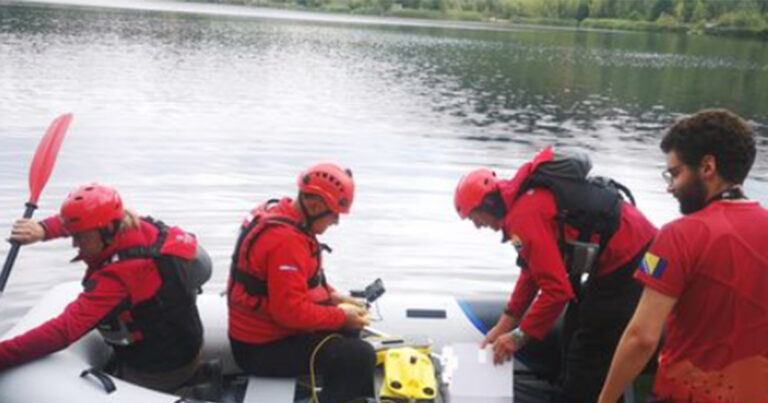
x,y
717,132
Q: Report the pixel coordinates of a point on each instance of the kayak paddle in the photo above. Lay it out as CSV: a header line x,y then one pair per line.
x,y
39,172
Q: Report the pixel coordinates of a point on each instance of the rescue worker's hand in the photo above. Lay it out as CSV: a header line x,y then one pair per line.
x,y
26,231
338,298
503,348
491,336
356,317
504,325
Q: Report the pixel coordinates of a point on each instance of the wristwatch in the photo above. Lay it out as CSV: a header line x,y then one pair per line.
x,y
520,338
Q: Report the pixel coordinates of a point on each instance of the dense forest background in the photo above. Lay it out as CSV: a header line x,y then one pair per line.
x,y
724,17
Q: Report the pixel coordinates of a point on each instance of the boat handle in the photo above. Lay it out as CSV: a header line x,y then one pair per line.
x,y
105,380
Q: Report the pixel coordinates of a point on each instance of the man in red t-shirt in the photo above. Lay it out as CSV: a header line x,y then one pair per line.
x,y
534,218
705,275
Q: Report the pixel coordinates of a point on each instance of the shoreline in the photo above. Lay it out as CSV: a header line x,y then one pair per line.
x,y
405,17
599,24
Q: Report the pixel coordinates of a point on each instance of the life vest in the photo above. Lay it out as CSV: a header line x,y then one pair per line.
x,y
247,286
164,330
589,204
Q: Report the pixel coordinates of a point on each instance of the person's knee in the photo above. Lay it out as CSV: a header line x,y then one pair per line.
x,y
367,355
359,355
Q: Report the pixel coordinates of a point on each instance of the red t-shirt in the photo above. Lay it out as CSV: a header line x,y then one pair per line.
x,y
715,262
531,227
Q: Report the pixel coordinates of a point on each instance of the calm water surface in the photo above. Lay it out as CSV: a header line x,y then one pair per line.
x,y
197,113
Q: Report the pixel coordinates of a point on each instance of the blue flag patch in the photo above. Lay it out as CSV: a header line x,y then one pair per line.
x,y
653,265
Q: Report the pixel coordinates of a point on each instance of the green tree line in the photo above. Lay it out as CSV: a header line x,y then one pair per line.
x,y
697,16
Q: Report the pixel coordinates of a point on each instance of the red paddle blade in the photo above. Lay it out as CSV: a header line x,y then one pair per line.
x,y
45,156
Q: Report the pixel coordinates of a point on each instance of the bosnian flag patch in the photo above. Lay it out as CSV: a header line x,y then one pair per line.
x,y
653,265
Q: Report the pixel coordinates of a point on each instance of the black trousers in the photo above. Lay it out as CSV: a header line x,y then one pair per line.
x,y
593,327
345,363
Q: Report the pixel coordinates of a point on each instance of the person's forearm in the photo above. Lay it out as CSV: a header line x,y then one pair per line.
x,y
53,227
522,296
507,321
630,358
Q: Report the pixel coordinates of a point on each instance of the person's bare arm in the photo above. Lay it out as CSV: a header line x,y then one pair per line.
x,y
640,339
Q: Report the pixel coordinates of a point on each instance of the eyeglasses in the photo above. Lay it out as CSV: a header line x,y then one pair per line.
x,y
670,174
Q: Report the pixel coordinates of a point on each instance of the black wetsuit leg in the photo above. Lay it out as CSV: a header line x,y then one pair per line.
x,y
607,304
346,364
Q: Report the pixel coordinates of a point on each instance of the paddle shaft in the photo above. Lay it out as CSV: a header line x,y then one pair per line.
x,y
15,245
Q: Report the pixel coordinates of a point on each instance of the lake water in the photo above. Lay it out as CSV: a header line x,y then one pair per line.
x,y
197,113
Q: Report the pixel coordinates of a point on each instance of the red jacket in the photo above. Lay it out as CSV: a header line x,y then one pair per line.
x,y
106,286
286,258
531,227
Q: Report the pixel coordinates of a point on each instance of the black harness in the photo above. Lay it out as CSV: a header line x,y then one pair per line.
x,y
590,205
257,286
168,325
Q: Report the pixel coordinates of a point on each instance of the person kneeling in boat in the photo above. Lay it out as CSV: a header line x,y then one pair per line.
x,y
563,230
139,290
283,314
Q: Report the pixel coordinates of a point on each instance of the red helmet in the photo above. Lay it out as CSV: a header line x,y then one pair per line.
x,y
472,188
332,183
91,207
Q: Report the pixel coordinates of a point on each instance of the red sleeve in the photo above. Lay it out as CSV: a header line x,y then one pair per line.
x,y
79,317
522,296
289,266
53,227
666,267
540,251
